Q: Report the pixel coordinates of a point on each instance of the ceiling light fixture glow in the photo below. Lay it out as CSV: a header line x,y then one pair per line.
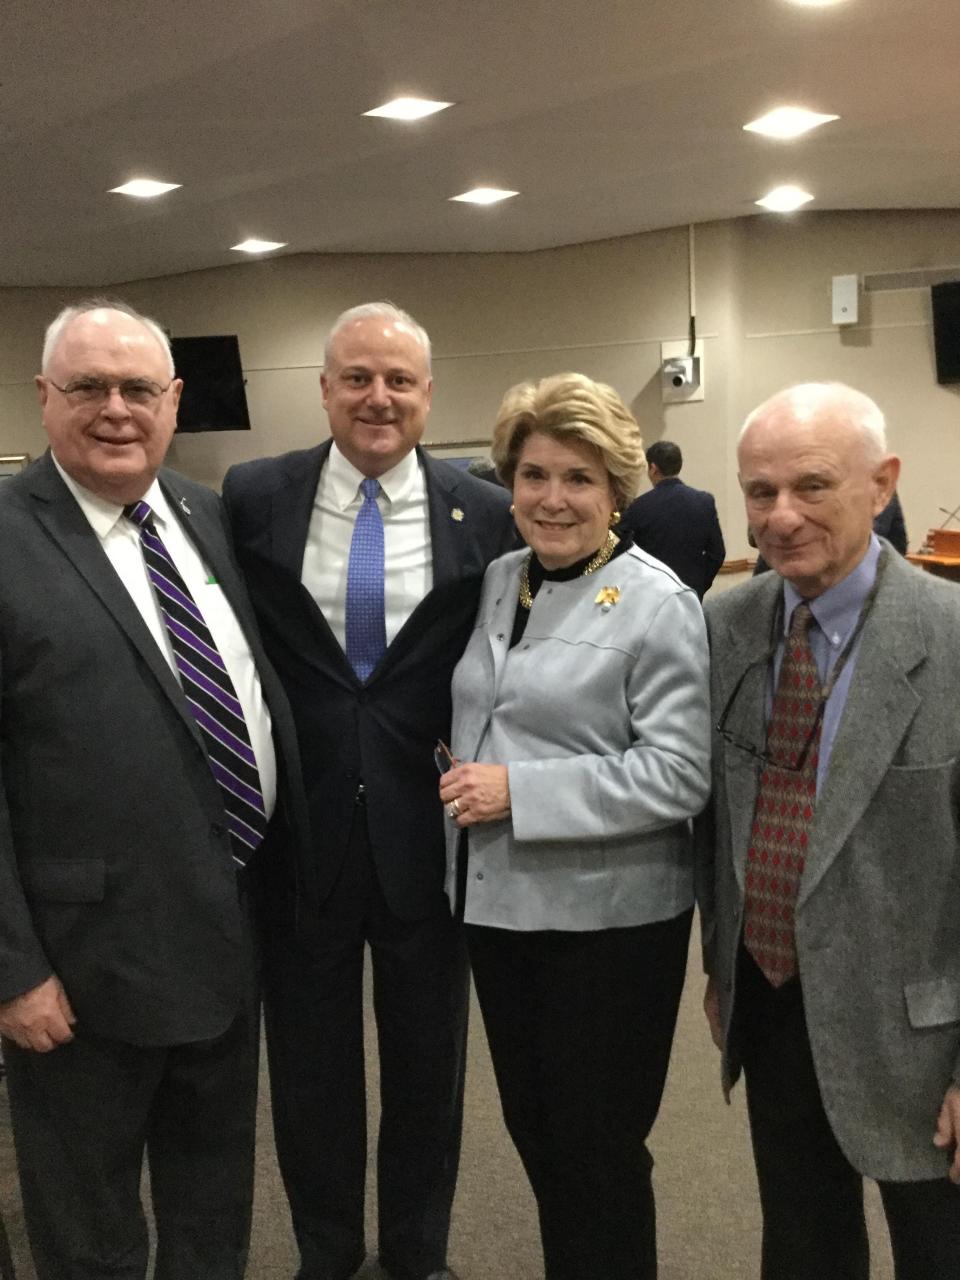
x,y
485,195
784,199
788,122
144,188
259,246
408,109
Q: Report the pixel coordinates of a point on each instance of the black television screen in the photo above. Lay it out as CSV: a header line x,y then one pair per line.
x,y
214,397
946,330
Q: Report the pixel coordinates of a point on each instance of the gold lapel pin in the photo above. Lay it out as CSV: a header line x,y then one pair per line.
x,y
606,597
456,514
183,506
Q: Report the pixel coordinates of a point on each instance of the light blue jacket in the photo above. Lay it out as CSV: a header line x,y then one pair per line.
x,y
601,714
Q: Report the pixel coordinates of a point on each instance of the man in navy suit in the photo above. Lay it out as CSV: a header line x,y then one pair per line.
x,y
676,523
365,558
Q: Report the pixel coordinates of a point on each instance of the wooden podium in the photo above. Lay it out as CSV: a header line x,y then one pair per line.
x,y
940,554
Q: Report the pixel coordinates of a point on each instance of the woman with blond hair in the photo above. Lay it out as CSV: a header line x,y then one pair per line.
x,y
580,754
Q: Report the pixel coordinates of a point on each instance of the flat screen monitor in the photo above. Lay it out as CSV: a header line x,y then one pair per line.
x,y
946,330
214,394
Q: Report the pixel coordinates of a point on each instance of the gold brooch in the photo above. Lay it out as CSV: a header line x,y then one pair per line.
x,y
456,514
606,597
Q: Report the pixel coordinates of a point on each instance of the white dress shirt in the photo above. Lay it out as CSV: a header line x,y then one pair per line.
x,y
408,555
120,540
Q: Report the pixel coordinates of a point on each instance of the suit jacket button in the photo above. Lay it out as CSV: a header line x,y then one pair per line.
x,y
479,875
499,635
218,829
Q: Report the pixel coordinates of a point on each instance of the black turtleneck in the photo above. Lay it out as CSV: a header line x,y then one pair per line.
x,y
539,575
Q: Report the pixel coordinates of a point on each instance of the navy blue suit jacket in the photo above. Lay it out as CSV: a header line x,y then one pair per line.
x,y
679,526
381,732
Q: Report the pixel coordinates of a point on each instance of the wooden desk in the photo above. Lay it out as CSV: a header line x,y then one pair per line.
x,y
943,557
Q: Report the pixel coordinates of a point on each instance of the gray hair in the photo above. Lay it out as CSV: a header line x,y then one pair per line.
x,y
57,327
813,401
383,310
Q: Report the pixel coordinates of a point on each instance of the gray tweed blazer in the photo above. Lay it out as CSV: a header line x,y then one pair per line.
x,y
878,914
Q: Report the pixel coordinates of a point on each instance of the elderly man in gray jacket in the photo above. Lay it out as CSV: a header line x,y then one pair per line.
x,y
830,856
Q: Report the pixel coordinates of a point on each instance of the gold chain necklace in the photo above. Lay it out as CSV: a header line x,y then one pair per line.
x,y
592,565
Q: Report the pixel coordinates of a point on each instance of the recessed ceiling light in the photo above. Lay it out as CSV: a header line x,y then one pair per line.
x,y
788,122
144,188
408,109
259,246
485,195
784,199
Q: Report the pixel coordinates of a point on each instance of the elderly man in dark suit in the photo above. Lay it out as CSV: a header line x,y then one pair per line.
x,y
831,852
139,777
676,523
365,558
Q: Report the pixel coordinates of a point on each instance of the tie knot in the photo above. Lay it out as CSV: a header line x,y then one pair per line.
x,y
801,621
139,512
370,488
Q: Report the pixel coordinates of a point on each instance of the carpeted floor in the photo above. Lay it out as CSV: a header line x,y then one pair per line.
x,y
707,1204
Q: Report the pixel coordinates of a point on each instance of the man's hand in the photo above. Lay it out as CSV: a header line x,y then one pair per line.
x,y
40,1019
476,793
948,1129
711,1007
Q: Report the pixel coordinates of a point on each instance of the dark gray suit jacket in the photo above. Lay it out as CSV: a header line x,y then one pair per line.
x,y
115,865
382,732
877,918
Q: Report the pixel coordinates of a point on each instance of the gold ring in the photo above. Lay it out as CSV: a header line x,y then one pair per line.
x,y
454,809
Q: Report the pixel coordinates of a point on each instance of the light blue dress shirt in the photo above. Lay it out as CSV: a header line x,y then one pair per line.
x,y
835,614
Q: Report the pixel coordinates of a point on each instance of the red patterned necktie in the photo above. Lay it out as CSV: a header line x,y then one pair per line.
x,y
785,800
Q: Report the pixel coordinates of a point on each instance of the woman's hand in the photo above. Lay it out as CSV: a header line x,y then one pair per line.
x,y
474,793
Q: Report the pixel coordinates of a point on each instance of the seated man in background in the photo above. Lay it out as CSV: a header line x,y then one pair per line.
x,y
676,523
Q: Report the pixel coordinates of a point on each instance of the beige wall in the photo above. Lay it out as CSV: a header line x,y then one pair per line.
x,y
763,309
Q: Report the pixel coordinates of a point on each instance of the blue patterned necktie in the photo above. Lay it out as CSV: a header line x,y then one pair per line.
x,y
365,620
208,689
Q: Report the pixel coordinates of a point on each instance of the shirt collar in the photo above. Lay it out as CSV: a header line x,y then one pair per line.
x,y
837,610
104,514
400,484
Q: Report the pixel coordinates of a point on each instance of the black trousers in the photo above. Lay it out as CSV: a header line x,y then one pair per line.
x,y
314,1019
811,1196
580,1027
83,1115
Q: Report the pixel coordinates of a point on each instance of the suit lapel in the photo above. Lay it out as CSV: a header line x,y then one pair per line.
x,y
64,521
742,650
878,711
292,505
445,518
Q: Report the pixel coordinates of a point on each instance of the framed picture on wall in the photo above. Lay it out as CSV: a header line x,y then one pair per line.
x,y
12,463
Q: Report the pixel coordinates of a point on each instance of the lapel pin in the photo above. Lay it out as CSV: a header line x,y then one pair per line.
x,y
607,597
456,514
183,506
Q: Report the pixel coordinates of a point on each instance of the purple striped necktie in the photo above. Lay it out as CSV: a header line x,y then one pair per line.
x,y
208,689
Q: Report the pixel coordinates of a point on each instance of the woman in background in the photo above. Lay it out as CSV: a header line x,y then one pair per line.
x,y
581,713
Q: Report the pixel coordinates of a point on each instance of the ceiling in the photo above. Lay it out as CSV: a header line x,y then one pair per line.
x,y
609,118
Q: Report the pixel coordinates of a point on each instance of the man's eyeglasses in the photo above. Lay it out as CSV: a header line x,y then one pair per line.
x,y
141,392
443,757
750,748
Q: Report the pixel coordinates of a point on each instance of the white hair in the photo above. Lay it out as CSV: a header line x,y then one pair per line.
x,y
57,327
831,401
378,311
